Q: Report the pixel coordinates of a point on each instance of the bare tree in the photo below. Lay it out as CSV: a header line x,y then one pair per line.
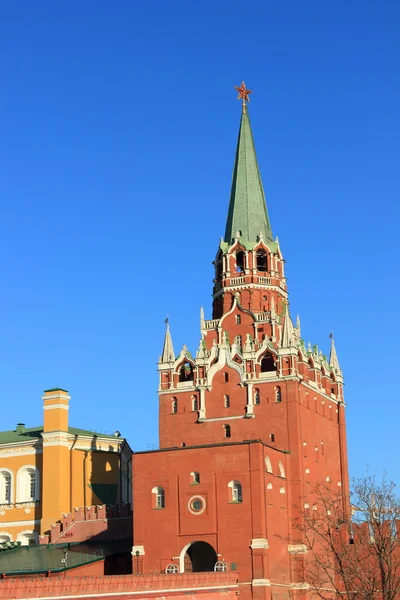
x,y
353,545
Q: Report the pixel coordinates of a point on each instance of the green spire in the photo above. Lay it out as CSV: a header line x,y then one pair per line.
x,y
247,208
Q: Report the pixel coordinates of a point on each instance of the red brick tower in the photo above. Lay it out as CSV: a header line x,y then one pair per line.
x,y
247,426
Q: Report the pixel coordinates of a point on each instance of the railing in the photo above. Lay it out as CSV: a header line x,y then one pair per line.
x,y
263,316
265,280
236,281
212,324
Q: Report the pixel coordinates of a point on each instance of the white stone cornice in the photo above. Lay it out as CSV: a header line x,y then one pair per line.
x,y
51,406
261,582
297,549
57,397
259,543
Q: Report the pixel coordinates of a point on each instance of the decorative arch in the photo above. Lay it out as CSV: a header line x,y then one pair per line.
x,y
28,484
267,359
197,556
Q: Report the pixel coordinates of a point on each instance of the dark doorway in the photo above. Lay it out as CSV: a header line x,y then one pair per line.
x,y
200,557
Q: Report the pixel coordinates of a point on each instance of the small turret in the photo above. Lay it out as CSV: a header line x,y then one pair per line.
x,y
333,359
168,354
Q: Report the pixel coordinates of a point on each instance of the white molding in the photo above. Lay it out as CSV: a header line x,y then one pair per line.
x,y
139,549
51,406
10,453
19,523
223,418
261,582
297,549
57,397
259,543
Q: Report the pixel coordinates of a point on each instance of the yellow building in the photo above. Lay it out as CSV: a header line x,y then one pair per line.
x,y
47,471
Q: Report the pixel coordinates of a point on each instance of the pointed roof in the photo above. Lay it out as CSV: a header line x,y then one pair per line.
x,y
333,359
288,331
168,353
247,207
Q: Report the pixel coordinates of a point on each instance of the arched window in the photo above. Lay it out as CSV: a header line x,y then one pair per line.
x,y
261,260
239,262
227,431
238,341
195,477
227,401
195,403
186,372
158,497
268,465
267,363
238,319
282,490
256,396
174,405
236,491
272,437
278,394
28,484
220,566
6,486
269,486
281,470
226,377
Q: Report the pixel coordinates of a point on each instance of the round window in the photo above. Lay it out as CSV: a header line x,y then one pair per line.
x,y
196,505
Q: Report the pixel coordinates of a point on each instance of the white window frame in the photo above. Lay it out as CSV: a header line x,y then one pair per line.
x,y
24,483
3,473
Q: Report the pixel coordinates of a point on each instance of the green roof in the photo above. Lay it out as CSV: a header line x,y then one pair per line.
x,y
32,433
56,389
247,207
38,559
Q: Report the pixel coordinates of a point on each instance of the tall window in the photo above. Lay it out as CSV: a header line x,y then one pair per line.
x,y
236,491
227,401
5,487
256,396
261,260
226,377
238,319
281,469
186,372
278,394
195,403
28,484
158,497
174,405
195,477
239,262
227,431
267,363
268,464
238,341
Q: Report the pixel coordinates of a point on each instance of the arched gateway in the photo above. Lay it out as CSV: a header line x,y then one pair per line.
x,y
197,557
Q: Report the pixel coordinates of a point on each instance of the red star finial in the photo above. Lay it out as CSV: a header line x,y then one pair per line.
x,y
243,94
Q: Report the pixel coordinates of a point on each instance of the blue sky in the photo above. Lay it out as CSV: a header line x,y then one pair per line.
x,y
118,125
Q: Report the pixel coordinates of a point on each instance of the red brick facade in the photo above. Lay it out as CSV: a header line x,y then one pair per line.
x,y
247,427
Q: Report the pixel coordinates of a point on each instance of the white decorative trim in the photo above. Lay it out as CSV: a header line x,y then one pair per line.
x,y
140,593
297,549
223,419
259,543
197,512
51,406
19,523
9,453
139,549
57,396
261,582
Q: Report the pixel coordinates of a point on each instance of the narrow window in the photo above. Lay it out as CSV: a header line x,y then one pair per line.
x,y
195,477
268,465
227,401
256,396
226,377
5,487
227,431
272,437
240,262
237,492
195,403
238,341
261,260
281,470
238,319
32,485
158,497
174,406
267,363
278,394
